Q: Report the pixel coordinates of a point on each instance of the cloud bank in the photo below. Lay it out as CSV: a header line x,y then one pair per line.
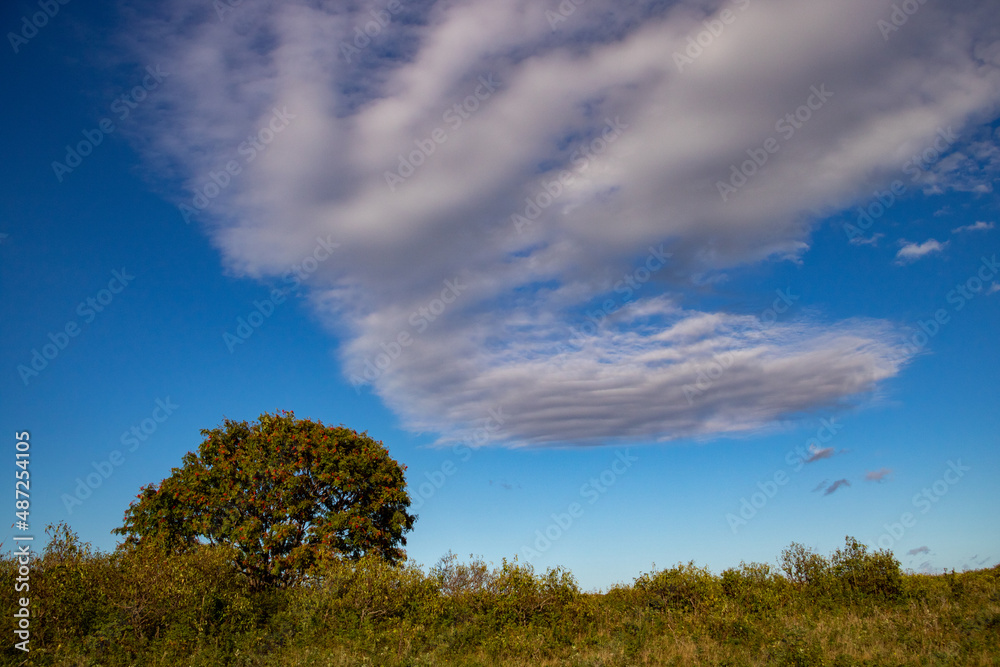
x,y
528,208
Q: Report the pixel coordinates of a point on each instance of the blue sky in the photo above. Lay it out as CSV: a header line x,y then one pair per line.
x,y
620,286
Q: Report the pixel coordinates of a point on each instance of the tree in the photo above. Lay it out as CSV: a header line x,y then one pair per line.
x,y
282,493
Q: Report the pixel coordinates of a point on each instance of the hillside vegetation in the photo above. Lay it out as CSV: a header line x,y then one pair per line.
x,y
137,606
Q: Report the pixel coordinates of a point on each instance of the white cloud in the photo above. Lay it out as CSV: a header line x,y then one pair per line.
x,y
911,252
636,376
680,133
980,226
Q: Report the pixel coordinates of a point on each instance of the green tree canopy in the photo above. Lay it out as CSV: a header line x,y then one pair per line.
x,y
282,492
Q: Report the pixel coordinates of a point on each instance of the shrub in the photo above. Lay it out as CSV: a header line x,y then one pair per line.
x,y
863,574
455,579
686,587
512,595
806,569
201,591
925,588
67,588
365,591
755,587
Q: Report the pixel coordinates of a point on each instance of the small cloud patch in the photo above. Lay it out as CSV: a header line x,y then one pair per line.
x,y
836,485
911,252
878,475
980,226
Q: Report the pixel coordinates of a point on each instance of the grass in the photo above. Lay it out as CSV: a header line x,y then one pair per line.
x,y
135,607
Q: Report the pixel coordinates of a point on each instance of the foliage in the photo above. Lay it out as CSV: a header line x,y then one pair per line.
x,y
756,587
64,583
681,587
139,605
806,569
356,593
852,572
861,573
279,492
454,578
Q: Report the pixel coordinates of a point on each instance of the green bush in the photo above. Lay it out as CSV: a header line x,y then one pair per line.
x,y
686,587
365,591
201,591
851,573
806,569
455,579
862,574
755,587
68,590
925,588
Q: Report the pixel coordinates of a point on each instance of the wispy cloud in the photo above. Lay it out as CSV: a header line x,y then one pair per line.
x,y
870,240
539,139
820,453
979,226
878,475
911,252
822,485
918,551
836,485
994,288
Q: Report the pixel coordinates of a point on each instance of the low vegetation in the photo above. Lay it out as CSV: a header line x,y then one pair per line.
x,y
141,606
